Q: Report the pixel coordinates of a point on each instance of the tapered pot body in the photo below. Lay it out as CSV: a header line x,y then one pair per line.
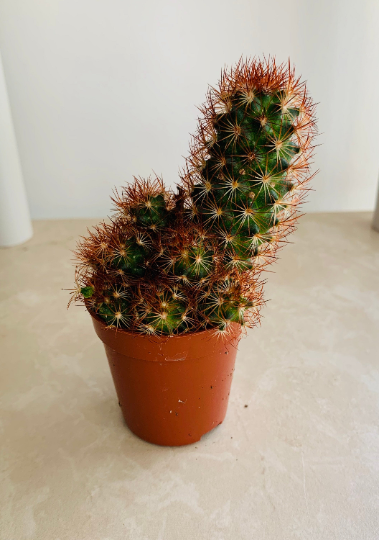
x,y
171,390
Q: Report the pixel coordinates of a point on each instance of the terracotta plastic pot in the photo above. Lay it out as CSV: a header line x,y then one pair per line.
x,y
172,390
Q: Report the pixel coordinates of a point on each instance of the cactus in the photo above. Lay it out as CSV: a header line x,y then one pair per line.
x,y
180,261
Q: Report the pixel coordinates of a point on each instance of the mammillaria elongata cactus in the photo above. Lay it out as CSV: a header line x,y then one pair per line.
x,y
173,262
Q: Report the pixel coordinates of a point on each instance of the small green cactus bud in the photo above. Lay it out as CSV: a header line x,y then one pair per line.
x,y
152,212
194,262
164,314
131,257
115,313
233,310
221,308
87,292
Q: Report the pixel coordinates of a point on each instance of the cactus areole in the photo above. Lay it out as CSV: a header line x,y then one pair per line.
x,y
175,262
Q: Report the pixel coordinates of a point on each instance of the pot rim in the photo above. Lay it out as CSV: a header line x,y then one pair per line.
x,y
147,336
165,348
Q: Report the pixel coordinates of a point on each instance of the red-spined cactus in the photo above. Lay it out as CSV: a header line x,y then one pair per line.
x,y
178,262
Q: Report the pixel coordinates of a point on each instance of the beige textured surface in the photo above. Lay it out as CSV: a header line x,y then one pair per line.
x,y
300,462
375,219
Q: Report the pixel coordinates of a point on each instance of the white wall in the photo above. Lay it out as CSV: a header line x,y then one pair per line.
x,y
102,90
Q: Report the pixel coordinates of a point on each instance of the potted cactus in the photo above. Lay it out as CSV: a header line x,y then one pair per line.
x,y
173,278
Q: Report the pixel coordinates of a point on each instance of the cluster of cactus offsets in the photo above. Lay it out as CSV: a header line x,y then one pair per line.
x,y
170,262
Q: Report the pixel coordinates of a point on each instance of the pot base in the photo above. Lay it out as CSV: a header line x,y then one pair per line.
x,y
175,442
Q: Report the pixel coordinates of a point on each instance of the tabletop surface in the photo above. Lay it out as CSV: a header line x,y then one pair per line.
x,y
297,456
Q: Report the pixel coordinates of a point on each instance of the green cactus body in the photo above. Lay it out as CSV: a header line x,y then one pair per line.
x,y
166,313
115,313
249,160
221,309
194,262
151,213
131,256
176,262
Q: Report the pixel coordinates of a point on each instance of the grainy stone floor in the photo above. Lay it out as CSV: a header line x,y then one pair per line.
x,y
300,462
